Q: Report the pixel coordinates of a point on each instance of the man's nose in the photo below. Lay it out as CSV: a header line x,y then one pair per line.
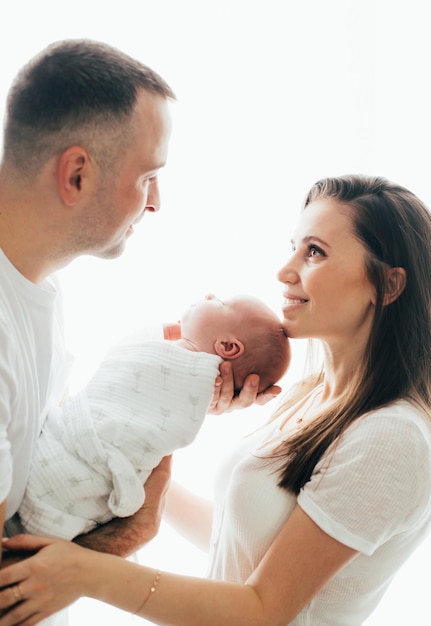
x,y
153,199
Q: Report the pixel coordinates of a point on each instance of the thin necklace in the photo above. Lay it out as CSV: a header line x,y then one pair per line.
x,y
311,402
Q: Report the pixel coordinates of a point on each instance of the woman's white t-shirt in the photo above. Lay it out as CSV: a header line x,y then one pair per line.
x,y
371,491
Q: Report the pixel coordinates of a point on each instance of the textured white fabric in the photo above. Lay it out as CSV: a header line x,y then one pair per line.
x,y
94,456
370,491
33,371
34,368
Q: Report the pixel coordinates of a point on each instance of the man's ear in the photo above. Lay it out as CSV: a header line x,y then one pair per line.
x,y
396,279
72,168
229,348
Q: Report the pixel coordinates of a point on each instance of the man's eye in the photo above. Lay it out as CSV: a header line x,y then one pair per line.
x,y
147,181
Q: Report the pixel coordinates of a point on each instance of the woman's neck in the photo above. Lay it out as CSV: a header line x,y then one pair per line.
x,y
340,370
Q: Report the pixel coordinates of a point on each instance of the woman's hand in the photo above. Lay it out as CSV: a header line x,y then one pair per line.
x,y
223,400
40,585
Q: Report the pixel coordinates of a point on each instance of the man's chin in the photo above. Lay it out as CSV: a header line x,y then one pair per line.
x,y
111,253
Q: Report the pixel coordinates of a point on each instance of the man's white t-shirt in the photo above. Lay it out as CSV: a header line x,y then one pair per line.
x,y
33,372
371,491
34,368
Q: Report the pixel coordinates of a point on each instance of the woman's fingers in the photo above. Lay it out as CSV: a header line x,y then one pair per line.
x,y
268,394
223,400
223,390
26,542
42,584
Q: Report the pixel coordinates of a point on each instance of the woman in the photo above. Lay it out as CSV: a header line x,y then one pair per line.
x,y
318,509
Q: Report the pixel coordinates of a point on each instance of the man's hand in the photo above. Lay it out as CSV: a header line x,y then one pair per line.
x,y
123,536
223,400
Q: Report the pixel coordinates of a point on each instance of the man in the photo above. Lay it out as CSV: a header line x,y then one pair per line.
x,y
87,130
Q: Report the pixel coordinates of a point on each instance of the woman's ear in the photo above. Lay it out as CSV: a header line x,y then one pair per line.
x,y
229,348
396,279
72,168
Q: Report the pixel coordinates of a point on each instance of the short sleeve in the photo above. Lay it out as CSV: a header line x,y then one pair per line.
x,y
5,416
375,481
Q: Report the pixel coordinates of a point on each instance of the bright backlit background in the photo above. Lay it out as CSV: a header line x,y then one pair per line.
x,y
272,95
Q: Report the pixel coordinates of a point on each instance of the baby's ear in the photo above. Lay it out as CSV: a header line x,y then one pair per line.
x,y
229,348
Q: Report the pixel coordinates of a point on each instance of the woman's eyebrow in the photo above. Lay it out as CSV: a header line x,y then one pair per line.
x,y
313,238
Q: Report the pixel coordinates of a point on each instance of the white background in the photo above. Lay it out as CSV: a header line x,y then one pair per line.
x,y
272,95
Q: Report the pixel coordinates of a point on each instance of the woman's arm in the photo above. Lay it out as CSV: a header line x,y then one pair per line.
x,y
189,514
301,560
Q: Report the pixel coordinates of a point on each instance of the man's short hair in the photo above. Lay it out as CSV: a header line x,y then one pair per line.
x,y
73,92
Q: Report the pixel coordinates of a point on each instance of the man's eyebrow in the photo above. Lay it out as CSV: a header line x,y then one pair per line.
x,y
152,168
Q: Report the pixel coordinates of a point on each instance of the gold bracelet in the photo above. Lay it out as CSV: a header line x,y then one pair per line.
x,y
152,590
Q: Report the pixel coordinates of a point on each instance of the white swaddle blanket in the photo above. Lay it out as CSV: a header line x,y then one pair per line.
x,y
95,453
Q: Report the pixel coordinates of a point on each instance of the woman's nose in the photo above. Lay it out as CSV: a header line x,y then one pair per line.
x,y
288,273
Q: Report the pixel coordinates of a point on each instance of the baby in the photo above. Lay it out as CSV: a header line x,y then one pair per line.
x,y
146,399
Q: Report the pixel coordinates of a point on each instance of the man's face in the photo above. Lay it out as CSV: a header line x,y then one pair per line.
x,y
126,194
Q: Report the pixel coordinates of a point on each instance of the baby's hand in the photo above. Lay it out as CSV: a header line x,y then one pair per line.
x,y
223,400
172,332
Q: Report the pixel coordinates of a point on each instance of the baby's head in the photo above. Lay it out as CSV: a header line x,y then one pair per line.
x,y
242,330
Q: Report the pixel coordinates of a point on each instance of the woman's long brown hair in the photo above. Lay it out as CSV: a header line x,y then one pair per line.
x,y
395,228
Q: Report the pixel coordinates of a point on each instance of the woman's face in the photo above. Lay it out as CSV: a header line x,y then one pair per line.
x,y
327,294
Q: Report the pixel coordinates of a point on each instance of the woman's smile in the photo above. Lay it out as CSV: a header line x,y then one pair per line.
x,y
290,302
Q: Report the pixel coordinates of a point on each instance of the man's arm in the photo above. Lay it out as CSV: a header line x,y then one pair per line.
x,y
123,536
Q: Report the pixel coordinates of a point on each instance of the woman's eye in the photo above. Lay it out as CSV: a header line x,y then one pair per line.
x,y
314,251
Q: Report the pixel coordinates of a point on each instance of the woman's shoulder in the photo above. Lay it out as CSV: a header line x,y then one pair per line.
x,y
396,420
375,481
394,439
